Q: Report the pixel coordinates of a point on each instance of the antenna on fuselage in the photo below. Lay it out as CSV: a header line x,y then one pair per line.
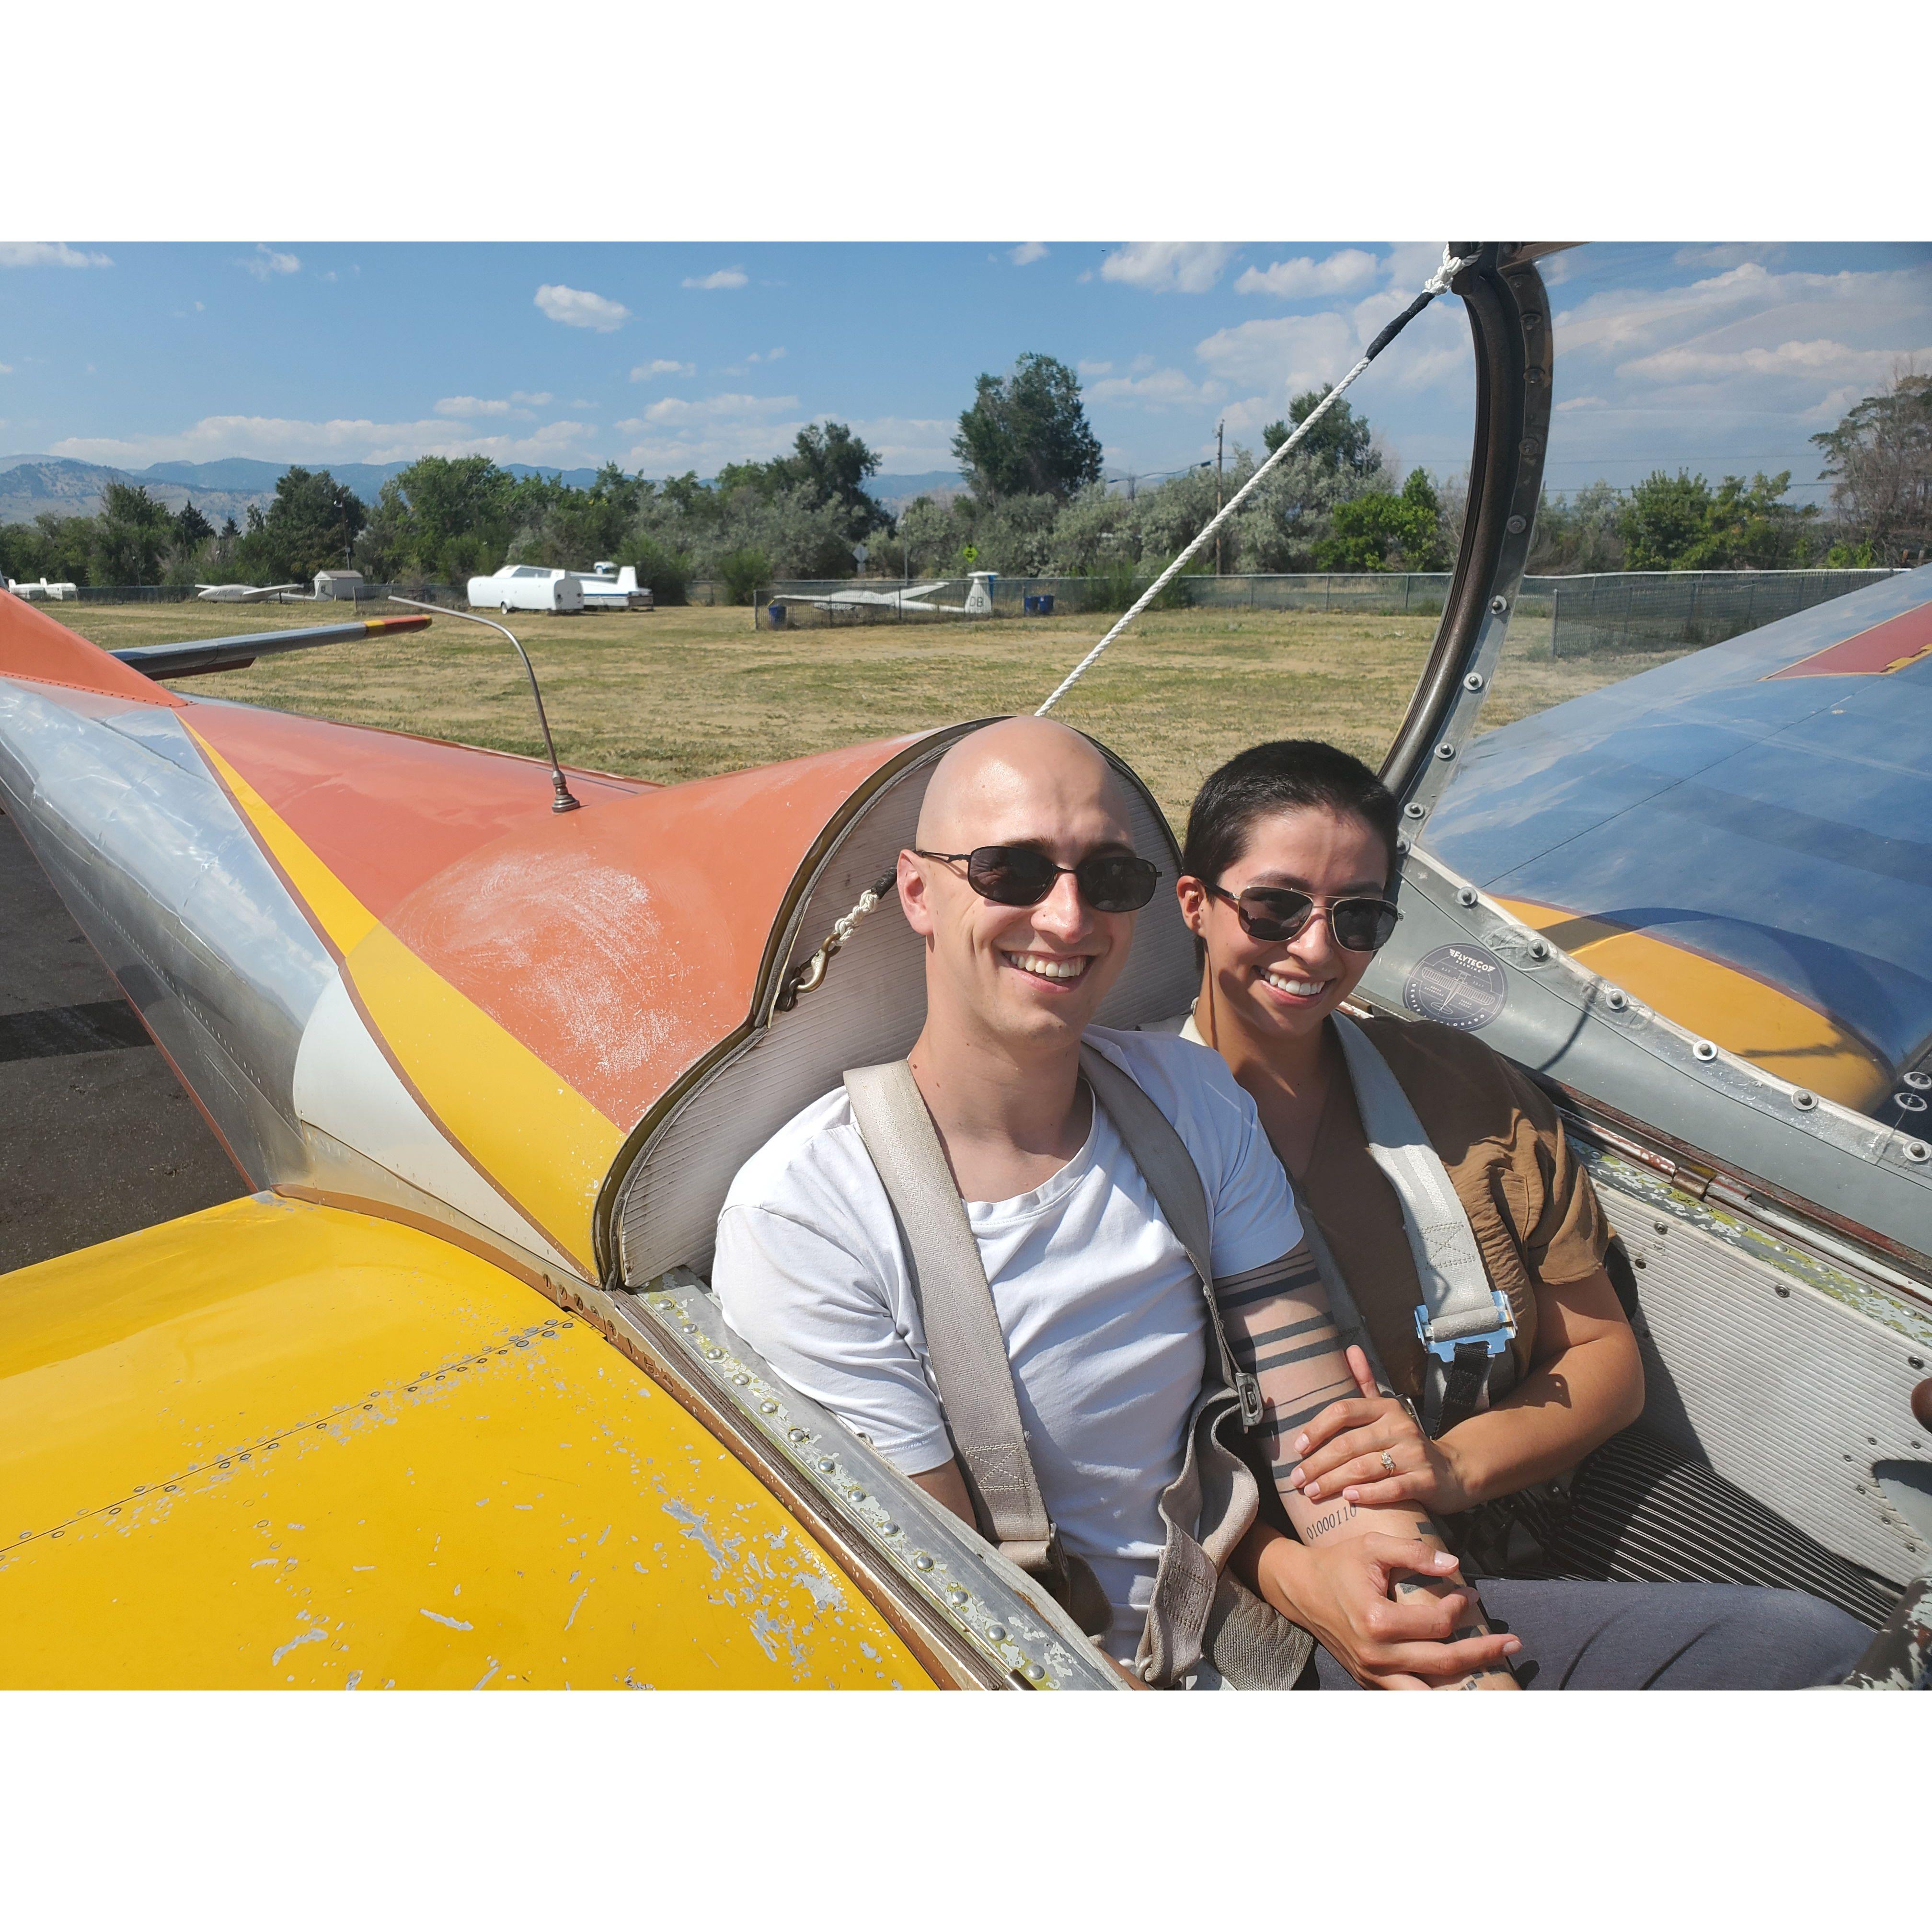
x,y
564,801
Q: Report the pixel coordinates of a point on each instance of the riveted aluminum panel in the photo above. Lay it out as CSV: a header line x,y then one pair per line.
x,y
1790,1376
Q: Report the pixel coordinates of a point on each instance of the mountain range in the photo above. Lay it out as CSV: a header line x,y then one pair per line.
x,y
64,487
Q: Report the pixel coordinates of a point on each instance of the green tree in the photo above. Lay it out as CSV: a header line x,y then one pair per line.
x,y
444,517
1664,521
1879,459
830,461
132,534
311,526
744,572
1341,440
1579,533
1027,433
1680,523
191,527
1381,530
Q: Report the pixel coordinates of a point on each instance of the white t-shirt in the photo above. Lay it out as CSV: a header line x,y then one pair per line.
x,y
1102,1317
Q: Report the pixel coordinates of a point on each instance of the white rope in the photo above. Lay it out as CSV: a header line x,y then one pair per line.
x,y
806,978
1451,266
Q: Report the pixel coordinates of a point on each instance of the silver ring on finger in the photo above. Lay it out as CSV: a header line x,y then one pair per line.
x,y
1388,1462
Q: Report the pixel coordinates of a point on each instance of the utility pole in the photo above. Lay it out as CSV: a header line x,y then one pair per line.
x,y
1219,427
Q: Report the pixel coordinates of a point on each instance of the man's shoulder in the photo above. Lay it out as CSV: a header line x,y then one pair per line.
x,y
810,1167
1191,1085
1166,1063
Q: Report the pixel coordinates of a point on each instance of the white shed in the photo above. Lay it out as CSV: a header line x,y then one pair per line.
x,y
347,584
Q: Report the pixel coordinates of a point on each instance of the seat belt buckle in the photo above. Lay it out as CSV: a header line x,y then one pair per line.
x,y
1248,1392
1496,1340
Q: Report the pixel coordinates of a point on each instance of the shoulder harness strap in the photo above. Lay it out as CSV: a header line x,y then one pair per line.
x,y
963,1342
1465,1325
1174,1181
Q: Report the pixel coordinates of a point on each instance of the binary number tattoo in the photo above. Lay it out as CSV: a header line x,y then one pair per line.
x,y
1282,1332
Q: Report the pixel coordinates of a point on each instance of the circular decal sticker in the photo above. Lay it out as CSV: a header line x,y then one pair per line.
x,y
1463,985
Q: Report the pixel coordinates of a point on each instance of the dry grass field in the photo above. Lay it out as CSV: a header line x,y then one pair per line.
x,y
680,693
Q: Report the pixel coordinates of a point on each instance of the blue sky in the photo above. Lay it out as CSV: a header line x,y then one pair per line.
x,y
670,357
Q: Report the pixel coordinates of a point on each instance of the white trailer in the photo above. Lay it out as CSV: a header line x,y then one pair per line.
x,y
527,586
44,593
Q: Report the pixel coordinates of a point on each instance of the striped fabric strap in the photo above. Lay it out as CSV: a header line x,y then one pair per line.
x,y
1466,1318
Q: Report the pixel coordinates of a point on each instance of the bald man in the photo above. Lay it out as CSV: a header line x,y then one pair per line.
x,y
1099,1307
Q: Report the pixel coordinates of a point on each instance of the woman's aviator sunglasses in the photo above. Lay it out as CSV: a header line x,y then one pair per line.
x,y
1022,875
1272,912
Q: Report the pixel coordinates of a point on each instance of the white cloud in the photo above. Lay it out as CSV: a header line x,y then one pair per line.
x,y
6,368
713,409
1811,361
1348,269
1726,254
1191,268
340,440
910,443
1164,389
328,275
646,371
1772,307
266,263
1094,368
578,308
50,255
718,278
1580,402
1027,251
520,403
1284,352
769,355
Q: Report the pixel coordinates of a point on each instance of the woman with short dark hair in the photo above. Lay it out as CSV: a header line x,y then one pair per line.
x,y
1287,880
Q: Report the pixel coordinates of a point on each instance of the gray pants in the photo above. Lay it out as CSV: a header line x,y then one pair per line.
x,y
1660,1636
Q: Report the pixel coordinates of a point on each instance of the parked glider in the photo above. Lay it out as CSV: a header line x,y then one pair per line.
x,y
445,1399
245,593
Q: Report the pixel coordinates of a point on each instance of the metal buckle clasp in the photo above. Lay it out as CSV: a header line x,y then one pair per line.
x,y
1496,1340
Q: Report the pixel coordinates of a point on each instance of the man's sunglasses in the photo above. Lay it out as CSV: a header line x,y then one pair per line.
x,y
1272,912
1021,875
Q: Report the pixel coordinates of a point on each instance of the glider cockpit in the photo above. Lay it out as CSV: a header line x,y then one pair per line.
x,y
490,1068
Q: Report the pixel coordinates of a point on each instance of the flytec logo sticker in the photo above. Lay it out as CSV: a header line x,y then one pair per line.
x,y
1895,646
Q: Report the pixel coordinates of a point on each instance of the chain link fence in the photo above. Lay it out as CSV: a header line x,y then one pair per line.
x,y
1628,610
1624,611
1635,611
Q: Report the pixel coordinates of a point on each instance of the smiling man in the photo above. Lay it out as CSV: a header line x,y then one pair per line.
x,y
1024,885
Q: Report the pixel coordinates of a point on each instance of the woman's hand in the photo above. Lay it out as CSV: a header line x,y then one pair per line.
x,y
1341,1593
1371,1451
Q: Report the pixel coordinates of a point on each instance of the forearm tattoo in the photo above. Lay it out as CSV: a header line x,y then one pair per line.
x,y
1283,1331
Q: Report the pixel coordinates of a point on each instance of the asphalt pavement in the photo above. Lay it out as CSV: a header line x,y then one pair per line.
x,y
97,1138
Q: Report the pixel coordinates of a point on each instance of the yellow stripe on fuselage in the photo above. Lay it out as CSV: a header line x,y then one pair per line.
x,y
1744,1015
540,1140
340,913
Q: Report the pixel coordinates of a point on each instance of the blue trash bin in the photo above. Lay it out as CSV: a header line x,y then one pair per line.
x,y
776,612
1031,605
1044,602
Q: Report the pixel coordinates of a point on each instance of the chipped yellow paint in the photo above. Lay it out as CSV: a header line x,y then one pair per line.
x,y
542,1142
277,1444
1744,1015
